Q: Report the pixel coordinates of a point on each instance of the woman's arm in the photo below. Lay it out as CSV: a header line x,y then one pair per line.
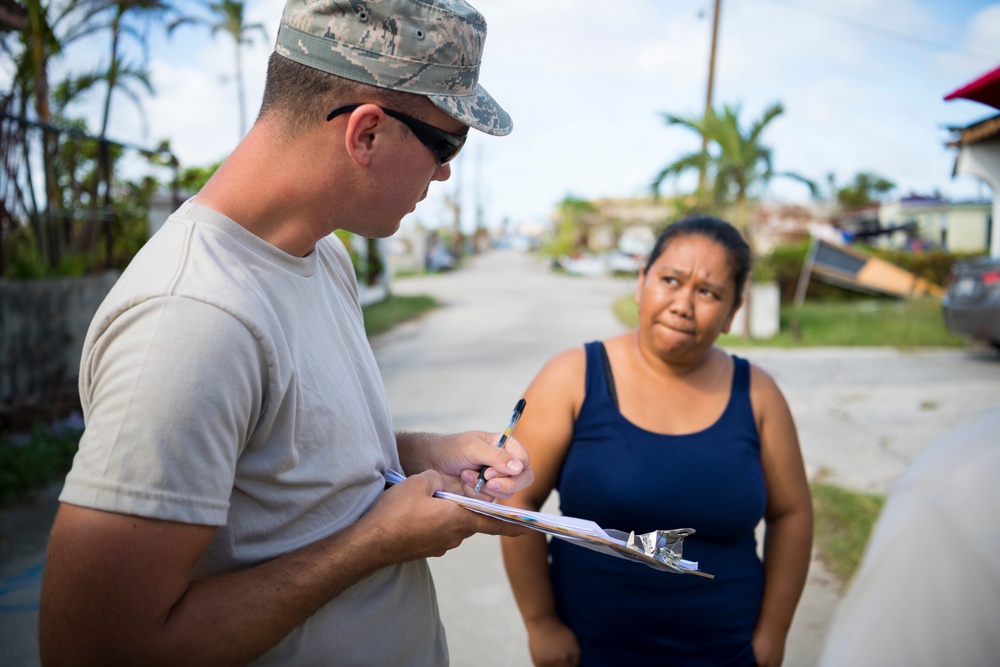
x,y
788,519
546,428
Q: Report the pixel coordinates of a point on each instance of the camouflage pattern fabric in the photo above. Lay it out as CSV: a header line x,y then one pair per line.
x,y
428,47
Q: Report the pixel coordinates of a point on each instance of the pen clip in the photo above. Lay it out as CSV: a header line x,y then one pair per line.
x,y
509,428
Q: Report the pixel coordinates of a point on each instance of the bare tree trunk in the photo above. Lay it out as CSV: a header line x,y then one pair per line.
x,y
743,224
240,92
49,249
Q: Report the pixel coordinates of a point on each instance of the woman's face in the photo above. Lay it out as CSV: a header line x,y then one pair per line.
x,y
686,298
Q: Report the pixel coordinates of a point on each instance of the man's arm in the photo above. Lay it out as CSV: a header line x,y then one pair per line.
x,y
117,589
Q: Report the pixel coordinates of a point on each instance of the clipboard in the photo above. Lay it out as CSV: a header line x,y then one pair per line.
x,y
660,550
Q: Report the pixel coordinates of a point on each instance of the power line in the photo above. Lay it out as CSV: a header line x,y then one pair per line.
x,y
891,34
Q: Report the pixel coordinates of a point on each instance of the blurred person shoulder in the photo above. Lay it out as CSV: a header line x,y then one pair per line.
x,y
927,592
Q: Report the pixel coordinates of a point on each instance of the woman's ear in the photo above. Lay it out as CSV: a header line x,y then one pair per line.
x,y
364,126
732,313
639,284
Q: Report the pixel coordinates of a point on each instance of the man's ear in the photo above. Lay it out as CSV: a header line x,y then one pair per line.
x,y
364,127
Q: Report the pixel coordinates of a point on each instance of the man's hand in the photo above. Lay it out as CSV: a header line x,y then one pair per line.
x,y
459,457
415,524
119,589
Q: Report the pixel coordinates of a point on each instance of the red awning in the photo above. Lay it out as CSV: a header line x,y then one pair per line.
x,y
985,89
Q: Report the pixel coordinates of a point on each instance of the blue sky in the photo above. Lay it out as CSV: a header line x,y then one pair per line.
x,y
862,83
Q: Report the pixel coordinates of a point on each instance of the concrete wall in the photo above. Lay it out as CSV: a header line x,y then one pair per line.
x,y
982,159
765,312
968,231
958,226
43,324
42,327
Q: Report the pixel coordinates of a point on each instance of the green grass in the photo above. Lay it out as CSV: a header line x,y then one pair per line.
x,y
382,316
30,460
843,523
906,324
627,311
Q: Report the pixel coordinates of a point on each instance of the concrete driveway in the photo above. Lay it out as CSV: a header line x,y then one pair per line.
x,y
863,415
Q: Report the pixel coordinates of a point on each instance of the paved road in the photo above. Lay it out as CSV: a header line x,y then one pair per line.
x,y
863,415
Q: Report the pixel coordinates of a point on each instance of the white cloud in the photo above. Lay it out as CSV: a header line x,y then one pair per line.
x,y
586,81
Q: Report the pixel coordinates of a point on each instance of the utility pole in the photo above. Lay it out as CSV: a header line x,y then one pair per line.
x,y
478,235
454,204
702,184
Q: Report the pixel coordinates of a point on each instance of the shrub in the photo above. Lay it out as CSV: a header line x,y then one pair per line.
x,y
38,457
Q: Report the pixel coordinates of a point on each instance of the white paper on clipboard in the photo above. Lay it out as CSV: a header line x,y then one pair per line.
x,y
660,550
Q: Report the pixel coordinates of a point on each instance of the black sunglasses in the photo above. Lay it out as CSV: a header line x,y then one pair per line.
x,y
444,145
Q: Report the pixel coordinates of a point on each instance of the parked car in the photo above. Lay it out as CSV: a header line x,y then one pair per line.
x,y
972,305
439,259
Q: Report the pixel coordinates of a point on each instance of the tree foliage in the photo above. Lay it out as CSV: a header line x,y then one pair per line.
x,y
736,164
867,188
60,199
572,223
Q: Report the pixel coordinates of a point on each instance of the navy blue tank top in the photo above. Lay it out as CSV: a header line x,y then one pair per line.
x,y
627,478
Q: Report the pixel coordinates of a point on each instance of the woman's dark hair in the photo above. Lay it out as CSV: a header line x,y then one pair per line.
x,y
720,231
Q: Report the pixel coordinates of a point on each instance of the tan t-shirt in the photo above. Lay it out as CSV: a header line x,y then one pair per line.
x,y
225,382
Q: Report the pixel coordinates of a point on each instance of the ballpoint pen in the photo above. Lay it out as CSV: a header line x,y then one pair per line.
x,y
508,429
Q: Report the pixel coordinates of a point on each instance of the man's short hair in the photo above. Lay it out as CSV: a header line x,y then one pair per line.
x,y
302,96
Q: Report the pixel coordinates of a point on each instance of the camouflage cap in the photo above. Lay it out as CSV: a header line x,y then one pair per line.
x,y
428,47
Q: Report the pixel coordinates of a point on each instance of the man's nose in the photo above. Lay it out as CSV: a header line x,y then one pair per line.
x,y
442,173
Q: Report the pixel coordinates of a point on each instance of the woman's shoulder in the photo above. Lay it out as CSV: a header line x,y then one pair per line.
x,y
575,358
764,389
758,375
570,361
566,369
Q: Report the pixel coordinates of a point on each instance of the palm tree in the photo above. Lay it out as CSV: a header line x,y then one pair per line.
x,y
230,17
125,78
127,18
34,33
132,18
735,164
866,188
119,25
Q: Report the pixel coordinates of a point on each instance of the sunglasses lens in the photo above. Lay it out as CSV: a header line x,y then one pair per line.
x,y
448,147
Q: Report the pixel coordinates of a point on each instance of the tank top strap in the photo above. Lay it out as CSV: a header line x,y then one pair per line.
x,y
596,380
741,375
740,408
